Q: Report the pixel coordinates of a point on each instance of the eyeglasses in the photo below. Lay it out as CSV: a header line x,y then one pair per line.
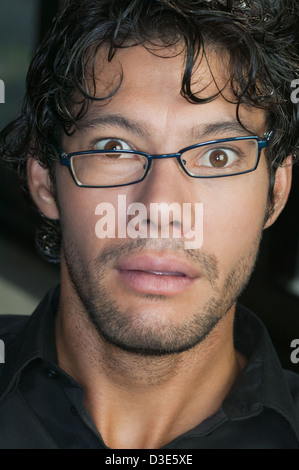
x,y
214,159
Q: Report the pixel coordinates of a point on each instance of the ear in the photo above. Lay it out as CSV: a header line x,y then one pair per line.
x,y
40,189
281,190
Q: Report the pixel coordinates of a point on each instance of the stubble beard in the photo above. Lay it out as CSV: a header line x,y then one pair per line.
x,y
146,335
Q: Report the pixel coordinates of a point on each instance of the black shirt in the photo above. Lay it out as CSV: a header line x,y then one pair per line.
x,y
41,407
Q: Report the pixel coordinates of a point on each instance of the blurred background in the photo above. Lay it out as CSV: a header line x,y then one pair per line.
x,y
273,292
24,276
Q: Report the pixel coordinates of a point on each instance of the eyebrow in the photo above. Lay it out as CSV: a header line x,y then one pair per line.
x,y
114,120
223,127
196,132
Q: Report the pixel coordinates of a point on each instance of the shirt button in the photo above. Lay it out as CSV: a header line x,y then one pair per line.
x,y
52,374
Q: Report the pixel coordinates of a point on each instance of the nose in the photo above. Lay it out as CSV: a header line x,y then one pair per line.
x,y
167,192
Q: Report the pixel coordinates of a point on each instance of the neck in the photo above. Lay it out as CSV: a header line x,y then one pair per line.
x,y
140,401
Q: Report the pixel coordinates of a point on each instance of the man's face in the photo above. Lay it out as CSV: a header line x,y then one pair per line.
x,y
152,295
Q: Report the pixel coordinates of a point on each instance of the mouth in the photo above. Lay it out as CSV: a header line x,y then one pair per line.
x,y
165,273
157,275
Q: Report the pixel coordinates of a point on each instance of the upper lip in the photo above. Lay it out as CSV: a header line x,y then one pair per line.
x,y
159,264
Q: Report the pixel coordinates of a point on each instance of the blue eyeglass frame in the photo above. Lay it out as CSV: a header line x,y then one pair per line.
x,y
65,159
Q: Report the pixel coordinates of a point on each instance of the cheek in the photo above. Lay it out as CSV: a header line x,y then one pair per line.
x,y
77,214
233,222
78,226
79,217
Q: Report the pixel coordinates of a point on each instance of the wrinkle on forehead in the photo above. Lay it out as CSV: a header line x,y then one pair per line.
x,y
136,71
104,77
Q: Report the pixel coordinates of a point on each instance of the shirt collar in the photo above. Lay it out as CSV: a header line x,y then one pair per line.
x,y
36,340
261,384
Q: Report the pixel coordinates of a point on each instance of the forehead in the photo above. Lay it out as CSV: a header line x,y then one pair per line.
x,y
161,69
147,84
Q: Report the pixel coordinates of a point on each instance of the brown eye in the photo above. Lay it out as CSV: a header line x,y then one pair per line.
x,y
112,144
218,158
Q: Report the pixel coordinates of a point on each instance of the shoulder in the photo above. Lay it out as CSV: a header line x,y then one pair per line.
x,y
292,379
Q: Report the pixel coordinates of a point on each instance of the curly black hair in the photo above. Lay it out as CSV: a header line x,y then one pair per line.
x,y
260,37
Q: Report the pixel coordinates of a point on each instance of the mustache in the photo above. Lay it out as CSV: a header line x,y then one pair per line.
x,y
206,262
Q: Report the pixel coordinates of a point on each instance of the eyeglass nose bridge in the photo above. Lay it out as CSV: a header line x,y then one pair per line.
x,y
164,155
177,155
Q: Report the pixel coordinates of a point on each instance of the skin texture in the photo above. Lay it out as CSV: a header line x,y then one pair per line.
x,y
142,356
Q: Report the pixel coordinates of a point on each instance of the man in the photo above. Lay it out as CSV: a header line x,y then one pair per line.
x,y
129,105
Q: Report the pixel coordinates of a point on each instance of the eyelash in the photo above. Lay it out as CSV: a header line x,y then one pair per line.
x,y
95,141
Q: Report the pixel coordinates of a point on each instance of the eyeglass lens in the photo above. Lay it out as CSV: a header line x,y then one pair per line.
x,y
208,160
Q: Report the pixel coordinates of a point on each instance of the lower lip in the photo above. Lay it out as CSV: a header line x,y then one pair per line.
x,y
156,284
